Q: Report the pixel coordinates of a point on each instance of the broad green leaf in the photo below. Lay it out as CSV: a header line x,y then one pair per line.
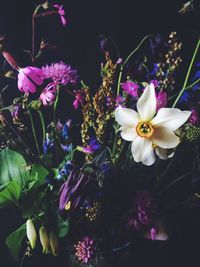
x,y
12,167
38,172
14,241
63,227
10,194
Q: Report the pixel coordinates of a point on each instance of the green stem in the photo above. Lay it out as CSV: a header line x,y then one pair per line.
x,y
43,126
188,74
127,60
55,105
33,130
192,84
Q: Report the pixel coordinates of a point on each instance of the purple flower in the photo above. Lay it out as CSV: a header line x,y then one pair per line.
x,y
47,96
60,73
48,144
79,99
194,117
61,12
161,100
71,191
155,83
92,148
130,88
119,100
85,249
145,208
29,78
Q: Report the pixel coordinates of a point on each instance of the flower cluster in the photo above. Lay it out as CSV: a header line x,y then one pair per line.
x,y
79,163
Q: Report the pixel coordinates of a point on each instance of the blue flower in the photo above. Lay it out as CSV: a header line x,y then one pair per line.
x,y
185,97
64,172
48,144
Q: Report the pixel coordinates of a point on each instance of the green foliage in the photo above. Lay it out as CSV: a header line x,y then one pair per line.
x,y
14,241
63,227
10,194
12,167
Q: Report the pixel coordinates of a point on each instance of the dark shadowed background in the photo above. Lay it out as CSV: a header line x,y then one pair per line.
x,y
127,22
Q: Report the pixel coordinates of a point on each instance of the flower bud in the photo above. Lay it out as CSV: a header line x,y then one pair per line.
x,y
54,243
31,233
44,239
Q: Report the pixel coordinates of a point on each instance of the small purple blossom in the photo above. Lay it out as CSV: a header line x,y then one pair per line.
x,y
79,99
161,100
29,78
119,101
48,144
85,249
155,83
94,146
153,233
47,96
130,88
194,117
61,12
145,208
60,73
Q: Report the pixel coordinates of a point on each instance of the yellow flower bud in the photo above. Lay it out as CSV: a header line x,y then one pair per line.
x,y
31,233
54,243
44,239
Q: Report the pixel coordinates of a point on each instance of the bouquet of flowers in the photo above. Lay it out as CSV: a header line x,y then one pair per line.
x,y
87,185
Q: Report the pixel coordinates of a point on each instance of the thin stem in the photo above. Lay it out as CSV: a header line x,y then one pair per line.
x,y
33,130
43,126
127,60
192,84
188,74
33,36
55,105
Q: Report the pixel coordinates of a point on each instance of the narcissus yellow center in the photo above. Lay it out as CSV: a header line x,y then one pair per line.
x,y
144,129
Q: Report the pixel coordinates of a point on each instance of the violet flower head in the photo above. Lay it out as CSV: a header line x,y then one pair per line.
x,y
130,88
155,83
194,117
161,100
29,78
47,96
85,249
60,73
61,12
71,192
119,101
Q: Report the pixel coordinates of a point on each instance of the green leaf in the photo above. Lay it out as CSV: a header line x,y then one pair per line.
x,y
63,227
14,241
10,194
38,172
12,167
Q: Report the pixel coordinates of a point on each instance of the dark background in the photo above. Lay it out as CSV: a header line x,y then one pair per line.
x,y
127,22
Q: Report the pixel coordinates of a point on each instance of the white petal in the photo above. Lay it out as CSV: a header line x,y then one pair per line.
x,y
128,133
142,151
126,116
146,104
171,118
162,153
165,138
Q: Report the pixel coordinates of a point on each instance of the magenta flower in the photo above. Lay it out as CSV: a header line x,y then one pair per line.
x,y
29,78
194,117
79,99
130,88
85,249
119,100
61,12
47,96
60,73
161,100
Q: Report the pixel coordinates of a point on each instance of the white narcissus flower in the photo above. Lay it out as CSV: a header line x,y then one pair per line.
x,y
150,133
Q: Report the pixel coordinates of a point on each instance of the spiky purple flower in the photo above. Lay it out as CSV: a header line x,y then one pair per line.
x,y
85,249
60,73
130,88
